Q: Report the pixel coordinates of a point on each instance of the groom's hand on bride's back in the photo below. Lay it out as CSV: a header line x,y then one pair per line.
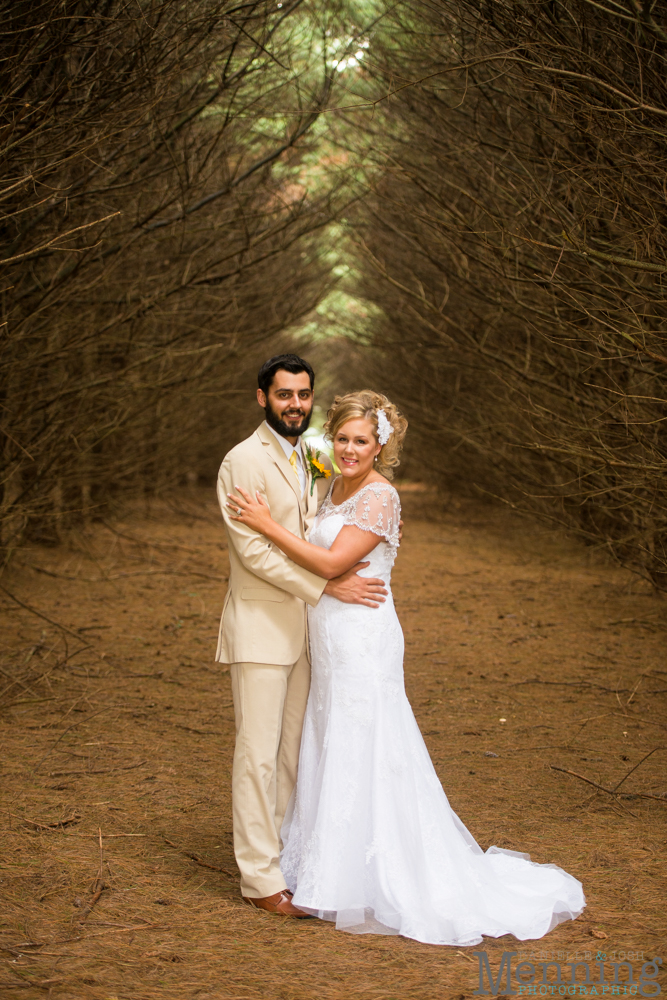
x,y
353,589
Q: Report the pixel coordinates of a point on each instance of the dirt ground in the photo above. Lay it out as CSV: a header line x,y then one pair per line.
x,y
526,653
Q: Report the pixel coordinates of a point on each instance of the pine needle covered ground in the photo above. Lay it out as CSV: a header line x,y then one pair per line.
x,y
526,653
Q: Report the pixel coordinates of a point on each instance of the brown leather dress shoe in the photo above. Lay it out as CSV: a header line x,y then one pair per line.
x,y
280,902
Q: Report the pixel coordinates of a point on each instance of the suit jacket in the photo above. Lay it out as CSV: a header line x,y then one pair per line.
x,y
264,614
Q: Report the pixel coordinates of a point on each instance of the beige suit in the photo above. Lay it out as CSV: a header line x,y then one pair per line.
x,y
263,636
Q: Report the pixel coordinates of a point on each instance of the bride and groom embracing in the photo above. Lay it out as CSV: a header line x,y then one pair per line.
x,y
365,835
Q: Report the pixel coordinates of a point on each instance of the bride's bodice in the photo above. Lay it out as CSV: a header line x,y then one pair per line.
x,y
377,508
356,647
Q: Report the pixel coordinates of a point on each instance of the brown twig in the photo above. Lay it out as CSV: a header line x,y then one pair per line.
x,y
594,784
634,690
115,930
200,861
122,576
75,818
98,885
27,701
147,543
66,731
85,912
590,684
109,835
40,614
104,770
632,769
612,792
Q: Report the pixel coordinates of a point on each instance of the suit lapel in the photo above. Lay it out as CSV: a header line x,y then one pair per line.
x,y
278,456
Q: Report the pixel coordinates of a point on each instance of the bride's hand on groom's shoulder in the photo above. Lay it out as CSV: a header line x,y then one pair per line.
x,y
353,589
254,512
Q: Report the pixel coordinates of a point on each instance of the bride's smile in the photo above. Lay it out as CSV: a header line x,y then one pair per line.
x,y
355,448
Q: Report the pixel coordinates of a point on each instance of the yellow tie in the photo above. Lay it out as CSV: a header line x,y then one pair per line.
x,y
292,462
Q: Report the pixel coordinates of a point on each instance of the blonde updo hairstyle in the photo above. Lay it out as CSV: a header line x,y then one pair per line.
x,y
365,405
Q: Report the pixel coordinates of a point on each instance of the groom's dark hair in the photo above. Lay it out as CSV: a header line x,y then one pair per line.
x,y
283,362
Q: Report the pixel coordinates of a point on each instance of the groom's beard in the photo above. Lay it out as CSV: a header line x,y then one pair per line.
x,y
284,429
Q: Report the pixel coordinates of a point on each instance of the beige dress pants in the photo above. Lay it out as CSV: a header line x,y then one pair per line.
x,y
269,706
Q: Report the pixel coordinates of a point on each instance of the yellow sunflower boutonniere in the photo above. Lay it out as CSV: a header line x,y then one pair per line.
x,y
317,469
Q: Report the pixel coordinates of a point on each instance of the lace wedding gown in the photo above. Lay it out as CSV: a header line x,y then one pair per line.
x,y
370,840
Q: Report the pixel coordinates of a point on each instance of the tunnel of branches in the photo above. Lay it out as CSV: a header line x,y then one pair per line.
x,y
461,203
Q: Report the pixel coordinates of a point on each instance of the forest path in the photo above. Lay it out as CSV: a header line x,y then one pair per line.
x,y
524,650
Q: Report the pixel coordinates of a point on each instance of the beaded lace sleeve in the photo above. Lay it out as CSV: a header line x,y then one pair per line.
x,y
375,508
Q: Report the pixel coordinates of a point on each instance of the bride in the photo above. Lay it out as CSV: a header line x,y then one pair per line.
x,y
370,840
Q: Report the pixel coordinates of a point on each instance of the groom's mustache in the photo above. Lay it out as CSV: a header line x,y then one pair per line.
x,y
289,421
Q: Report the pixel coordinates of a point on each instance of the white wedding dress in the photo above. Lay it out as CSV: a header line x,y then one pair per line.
x,y
370,840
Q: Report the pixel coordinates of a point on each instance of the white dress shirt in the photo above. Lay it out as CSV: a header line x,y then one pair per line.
x,y
288,449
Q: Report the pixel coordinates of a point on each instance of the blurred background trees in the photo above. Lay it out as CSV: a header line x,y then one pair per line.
x,y
475,225
513,243
156,237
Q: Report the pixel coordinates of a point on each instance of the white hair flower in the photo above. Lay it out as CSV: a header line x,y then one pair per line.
x,y
385,430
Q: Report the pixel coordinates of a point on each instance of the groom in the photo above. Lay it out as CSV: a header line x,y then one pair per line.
x,y
263,631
